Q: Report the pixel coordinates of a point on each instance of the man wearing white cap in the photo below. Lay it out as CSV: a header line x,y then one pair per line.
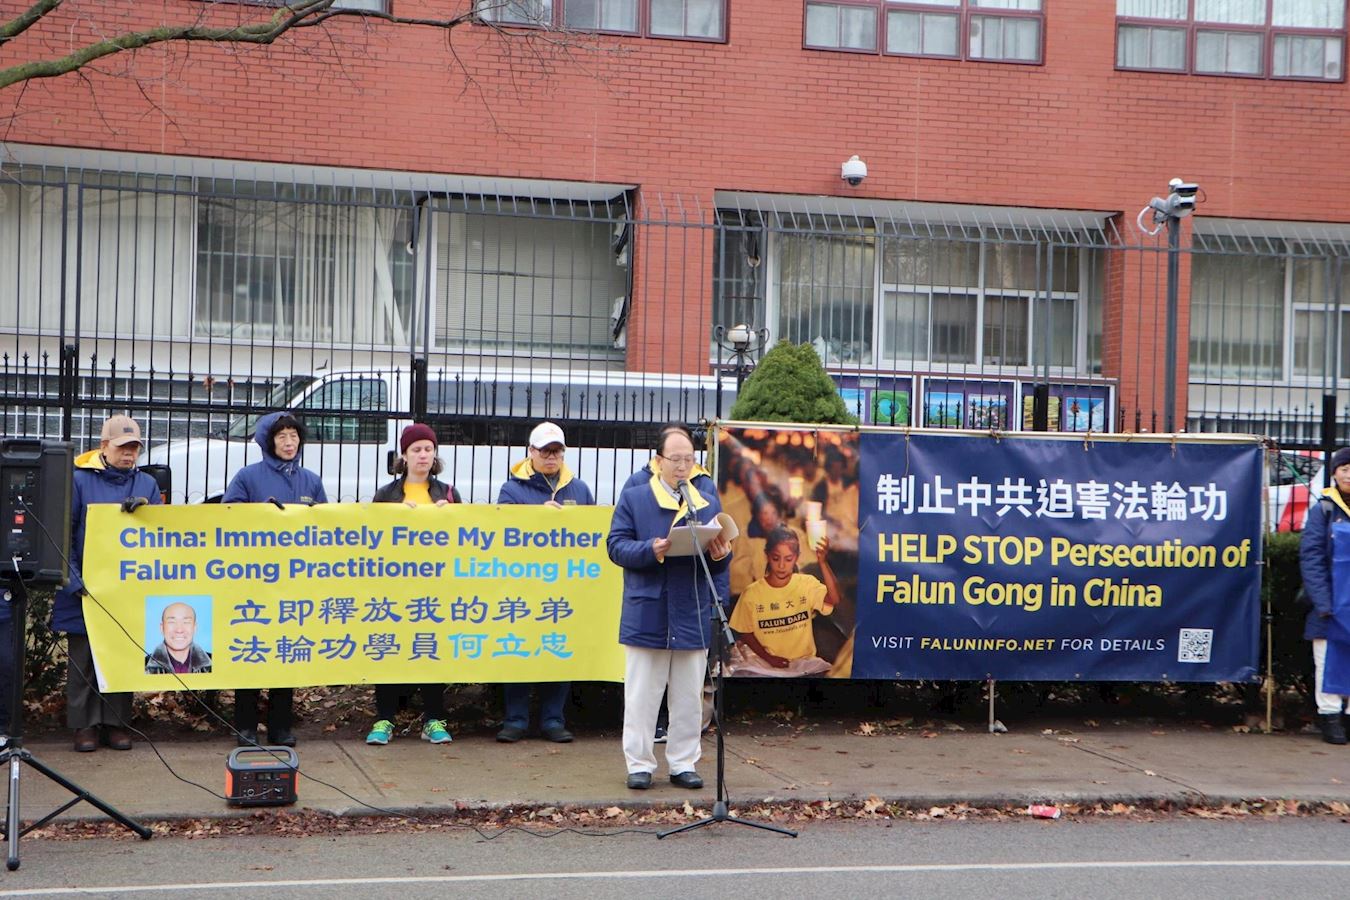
x,y
544,479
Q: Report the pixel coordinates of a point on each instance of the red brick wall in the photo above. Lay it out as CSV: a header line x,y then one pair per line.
x,y
682,119
757,113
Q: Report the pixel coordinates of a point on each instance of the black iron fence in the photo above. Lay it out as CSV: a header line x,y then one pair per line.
x,y
195,302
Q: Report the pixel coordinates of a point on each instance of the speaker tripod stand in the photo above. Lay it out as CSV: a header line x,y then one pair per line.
x,y
14,756
721,640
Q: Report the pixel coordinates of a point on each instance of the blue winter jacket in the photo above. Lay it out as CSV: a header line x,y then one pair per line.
x,y
93,482
273,477
525,485
702,481
666,605
1314,558
700,478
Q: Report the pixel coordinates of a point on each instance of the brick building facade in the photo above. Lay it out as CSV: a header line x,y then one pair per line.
x,y
1001,180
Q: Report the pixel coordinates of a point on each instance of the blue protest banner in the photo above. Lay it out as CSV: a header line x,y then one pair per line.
x,y
1051,558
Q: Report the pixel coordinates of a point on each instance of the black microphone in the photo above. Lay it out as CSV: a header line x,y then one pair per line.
x,y
682,486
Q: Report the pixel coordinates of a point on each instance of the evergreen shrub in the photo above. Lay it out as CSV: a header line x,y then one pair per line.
x,y
790,384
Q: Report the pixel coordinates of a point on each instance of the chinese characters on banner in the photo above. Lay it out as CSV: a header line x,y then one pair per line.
x,y
350,594
960,556
1057,559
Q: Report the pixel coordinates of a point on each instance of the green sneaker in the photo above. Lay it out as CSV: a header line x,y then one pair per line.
x,y
380,732
435,731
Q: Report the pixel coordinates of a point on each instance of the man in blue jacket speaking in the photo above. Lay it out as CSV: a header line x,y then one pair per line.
x,y
665,625
543,479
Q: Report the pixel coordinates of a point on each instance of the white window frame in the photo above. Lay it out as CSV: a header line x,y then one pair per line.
x,y
877,361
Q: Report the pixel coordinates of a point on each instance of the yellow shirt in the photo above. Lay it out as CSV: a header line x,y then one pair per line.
x,y
417,493
781,617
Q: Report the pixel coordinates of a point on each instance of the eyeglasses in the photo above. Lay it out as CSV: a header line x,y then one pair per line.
x,y
678,460
549,451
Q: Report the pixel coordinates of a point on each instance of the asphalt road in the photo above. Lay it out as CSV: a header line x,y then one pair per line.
x,y
1197,859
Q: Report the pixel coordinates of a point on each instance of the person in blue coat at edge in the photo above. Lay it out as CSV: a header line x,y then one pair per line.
x,y
105,475
279,477
702,479
541,479
664,624
1314,560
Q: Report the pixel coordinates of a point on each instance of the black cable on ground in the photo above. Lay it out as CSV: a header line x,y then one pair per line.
x,y
230,727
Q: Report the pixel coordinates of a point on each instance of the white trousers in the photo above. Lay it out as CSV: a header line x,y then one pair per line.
x,y
679,675
1327,704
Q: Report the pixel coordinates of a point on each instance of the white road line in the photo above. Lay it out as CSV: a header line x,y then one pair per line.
x,y
686,873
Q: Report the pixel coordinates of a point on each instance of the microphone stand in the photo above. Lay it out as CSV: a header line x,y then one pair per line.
x,y
722,639
14,753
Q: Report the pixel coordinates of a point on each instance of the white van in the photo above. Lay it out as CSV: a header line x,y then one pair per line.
x,y
353,419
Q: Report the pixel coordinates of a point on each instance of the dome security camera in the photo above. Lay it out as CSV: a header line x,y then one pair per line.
x,y
853,171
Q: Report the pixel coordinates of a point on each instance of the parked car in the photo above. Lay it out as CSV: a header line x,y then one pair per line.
x,y
1295,477
353,419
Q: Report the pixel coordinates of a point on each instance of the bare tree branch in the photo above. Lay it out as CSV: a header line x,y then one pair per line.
x,y
27,19
300,14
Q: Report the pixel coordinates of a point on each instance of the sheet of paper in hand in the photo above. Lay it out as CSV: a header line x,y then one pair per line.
x,y
682,537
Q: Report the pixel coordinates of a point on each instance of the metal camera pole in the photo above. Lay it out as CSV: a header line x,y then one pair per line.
x,y
16,594
1168,212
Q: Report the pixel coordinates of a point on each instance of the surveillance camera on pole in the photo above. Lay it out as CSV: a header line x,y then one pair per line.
x,y
1168,212
1179,203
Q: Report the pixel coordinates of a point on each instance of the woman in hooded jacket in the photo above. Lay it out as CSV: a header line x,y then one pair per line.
x,y
278,478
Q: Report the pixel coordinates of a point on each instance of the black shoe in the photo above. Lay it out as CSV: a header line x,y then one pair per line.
x,y
557,734
86,739
247,737
116,738
660,737
510,734
639,781
1333,731
282,737
689,780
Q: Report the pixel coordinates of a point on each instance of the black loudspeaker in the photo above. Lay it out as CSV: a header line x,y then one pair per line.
x,y
35,488
163,476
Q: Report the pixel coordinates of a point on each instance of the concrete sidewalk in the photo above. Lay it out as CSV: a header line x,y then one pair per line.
x,y
1046,762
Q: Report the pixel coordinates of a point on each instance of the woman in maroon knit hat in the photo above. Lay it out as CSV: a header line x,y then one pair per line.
x,y
416,485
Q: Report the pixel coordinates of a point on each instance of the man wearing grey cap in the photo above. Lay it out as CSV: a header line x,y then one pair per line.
x,y
544,479
105,475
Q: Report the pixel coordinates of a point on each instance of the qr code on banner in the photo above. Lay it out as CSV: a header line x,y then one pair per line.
x,y
1194,645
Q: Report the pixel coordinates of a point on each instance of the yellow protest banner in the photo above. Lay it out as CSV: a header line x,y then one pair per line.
x,y
250,595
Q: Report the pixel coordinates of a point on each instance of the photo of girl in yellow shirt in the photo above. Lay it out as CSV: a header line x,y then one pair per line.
x,y
772,618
